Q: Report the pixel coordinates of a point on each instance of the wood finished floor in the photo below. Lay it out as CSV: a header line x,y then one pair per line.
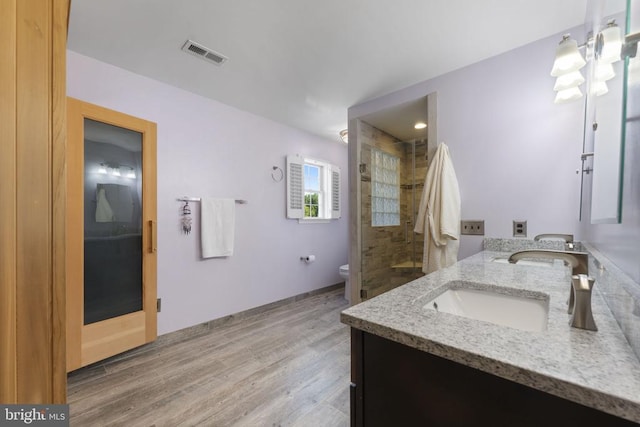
x,y
286,366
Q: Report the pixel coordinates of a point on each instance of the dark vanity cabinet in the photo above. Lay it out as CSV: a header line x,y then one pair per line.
x,y
397,385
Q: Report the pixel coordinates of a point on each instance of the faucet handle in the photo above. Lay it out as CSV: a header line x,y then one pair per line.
x,y
582,282
581,315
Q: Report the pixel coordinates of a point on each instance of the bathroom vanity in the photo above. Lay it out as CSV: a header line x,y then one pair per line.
x,y
415,365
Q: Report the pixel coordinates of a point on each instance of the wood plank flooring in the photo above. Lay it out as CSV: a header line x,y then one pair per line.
x,y
287,366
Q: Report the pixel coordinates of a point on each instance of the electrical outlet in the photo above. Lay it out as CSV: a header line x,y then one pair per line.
x,y
520,228
472,227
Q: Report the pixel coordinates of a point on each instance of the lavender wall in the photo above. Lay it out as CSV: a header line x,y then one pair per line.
x,y
208,149
515,152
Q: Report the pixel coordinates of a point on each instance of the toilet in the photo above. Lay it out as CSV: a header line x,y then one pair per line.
x,y
344,273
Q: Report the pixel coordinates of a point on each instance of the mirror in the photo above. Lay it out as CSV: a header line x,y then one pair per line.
x,y
605,122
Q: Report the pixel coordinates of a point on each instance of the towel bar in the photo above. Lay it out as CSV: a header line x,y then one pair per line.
x,y
197,199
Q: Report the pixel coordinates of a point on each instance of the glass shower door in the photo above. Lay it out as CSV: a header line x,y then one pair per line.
x,y
392,176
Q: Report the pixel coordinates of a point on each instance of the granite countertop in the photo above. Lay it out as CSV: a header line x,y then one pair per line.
x,y
596,369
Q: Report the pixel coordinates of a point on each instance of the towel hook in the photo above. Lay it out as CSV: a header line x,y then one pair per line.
x,y
277,174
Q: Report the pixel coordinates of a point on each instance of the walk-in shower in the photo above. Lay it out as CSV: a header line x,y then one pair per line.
x,y
392,174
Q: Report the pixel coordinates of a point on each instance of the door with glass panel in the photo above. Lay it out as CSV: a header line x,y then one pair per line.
x,y
111,233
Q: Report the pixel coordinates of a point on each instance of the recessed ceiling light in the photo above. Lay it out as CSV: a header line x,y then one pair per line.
x,y
420,125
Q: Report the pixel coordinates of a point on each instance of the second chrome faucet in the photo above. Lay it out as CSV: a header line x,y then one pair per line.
x,y
568,239
581,284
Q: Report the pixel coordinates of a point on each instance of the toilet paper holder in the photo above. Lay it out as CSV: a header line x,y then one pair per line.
x,y
308,258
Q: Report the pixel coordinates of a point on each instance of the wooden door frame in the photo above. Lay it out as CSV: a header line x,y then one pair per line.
x,y
32,200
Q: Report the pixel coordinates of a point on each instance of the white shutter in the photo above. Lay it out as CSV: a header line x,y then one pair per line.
x,y
295,187
334,171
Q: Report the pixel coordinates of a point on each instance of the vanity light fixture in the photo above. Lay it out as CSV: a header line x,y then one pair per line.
x,y
115,169
604,71
344,135
566,67
569,80
420,125
607,47
609,43
568,58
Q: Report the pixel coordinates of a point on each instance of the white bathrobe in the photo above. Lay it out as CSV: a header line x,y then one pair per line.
x,y
439,213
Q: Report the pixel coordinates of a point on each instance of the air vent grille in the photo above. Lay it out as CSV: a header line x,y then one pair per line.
x,y
204,52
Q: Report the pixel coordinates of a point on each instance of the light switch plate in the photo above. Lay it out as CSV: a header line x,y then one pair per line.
x,y
472,227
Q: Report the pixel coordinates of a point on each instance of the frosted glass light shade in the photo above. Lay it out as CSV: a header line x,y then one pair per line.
x,y
610,42
599,88
344,135
633,72
604,71
567,81
568,95
568,58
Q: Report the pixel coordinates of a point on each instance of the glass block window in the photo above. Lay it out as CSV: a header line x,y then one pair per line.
x,y
385,189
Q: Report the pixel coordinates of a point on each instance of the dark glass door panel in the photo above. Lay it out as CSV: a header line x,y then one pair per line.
x,y
112,221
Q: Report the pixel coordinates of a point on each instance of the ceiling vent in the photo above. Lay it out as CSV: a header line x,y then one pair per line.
x,y
204,52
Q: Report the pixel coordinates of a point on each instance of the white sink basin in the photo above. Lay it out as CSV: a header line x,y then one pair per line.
x,y
525,262
516,311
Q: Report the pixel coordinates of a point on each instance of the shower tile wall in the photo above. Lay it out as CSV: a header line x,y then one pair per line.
x,y
386,247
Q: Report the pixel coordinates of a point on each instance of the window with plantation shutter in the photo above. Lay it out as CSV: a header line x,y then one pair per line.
x,y
295,187
313,189
335,192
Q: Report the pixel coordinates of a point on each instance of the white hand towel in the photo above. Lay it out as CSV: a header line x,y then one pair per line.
x,y
104,213
217,226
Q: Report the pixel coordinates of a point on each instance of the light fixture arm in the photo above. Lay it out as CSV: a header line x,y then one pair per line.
x,y
630,45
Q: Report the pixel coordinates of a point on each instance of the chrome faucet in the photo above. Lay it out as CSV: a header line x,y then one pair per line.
x,y
582,317
579,262
568,238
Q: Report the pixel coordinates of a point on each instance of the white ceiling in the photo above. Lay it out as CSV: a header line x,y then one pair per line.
x,y
304,62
